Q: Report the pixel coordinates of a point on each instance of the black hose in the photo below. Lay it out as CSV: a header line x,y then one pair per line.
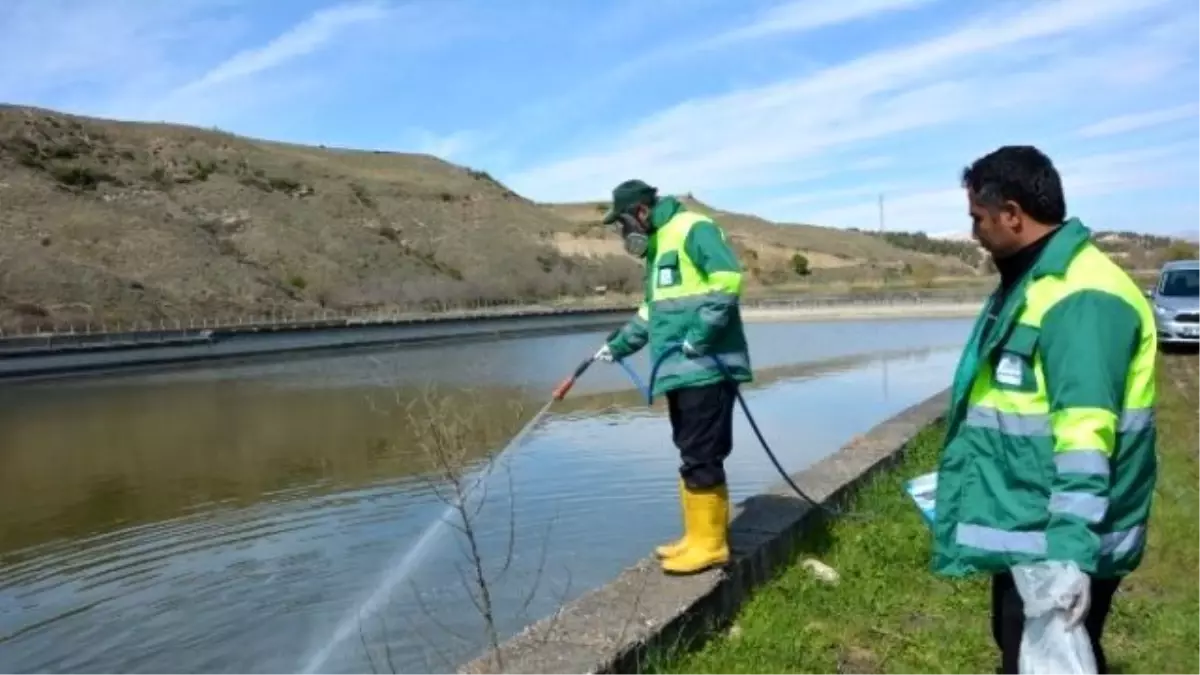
x,y
648,390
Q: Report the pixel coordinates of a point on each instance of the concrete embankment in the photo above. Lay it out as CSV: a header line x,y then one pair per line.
x,y
613,628
60,355
63,356
853,312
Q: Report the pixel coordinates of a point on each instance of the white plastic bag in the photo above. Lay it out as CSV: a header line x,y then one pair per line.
x,y
923,491
1048,645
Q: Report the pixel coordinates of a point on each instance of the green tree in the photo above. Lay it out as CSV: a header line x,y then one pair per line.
x,y
800,265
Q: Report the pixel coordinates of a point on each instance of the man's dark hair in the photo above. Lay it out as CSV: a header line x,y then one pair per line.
x,y
1021,174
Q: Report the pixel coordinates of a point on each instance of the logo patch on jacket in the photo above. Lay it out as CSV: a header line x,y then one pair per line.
x,y
1008,370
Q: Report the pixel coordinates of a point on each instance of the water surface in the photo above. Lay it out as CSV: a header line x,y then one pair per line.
x,y
228,519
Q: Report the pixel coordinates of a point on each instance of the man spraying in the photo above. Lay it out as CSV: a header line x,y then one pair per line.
x,y
1048,466
693,284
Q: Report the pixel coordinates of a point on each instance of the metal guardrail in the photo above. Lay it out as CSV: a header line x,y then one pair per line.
x,y
204,330
197,331
881,298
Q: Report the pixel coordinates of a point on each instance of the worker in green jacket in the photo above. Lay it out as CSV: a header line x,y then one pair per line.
x,y
1049,460
693,283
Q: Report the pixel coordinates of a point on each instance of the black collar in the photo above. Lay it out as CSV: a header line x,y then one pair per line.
x,y
1014,266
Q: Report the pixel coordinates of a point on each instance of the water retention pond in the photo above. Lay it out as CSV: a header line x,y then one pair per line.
x,y
235,519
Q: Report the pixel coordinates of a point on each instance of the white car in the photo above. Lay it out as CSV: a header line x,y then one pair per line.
x,y
1176,302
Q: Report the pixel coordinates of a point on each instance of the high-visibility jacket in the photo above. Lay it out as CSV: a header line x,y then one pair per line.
x,y
1050,449
693,287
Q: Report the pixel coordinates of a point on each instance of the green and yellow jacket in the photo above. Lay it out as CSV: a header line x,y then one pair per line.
x,y
693,286
1050,449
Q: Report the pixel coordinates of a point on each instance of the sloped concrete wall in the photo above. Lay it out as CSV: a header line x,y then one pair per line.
x,y
612,628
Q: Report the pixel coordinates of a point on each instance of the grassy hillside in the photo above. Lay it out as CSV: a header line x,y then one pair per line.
x,y
1140,251
1134,251
768,248
111,220
115,221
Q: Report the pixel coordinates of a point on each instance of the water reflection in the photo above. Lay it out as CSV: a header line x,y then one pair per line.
x,y
200,521
590,506
78,465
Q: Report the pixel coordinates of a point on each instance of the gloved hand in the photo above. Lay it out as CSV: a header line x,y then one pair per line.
x,y
1055,595
1081,587
605,354
1054,584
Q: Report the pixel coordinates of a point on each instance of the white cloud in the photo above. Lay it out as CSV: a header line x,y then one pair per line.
x,y
765,135
1123,124
1113,172
58,52
802,16
943,210
300,40
793,18
188,60
236,81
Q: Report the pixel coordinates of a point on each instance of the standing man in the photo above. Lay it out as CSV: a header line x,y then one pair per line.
x,y
692,288
1049,459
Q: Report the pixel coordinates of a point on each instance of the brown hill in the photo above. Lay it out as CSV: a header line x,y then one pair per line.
x,y
1135,251
114,221
767,248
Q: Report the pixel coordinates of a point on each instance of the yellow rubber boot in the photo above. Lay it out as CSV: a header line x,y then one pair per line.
x,y
708,532
676,547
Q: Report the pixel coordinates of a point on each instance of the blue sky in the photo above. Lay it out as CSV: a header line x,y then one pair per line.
x,y
796,110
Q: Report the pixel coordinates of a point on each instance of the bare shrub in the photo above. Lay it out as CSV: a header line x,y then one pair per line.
x,y
459,452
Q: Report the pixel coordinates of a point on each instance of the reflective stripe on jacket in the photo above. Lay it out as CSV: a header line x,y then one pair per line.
x,y
1050,448
688,299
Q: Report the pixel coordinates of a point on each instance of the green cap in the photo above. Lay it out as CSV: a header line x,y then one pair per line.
x,y
628,195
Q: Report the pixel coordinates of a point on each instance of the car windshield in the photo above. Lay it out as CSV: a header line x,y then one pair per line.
x,y
1180,284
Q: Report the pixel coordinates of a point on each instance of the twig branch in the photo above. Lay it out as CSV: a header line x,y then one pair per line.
x,y
362,637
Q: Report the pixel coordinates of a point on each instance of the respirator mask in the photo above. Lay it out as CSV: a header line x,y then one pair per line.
x,y
634,235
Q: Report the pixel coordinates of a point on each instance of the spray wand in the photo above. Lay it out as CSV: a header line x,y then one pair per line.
x,y
648,391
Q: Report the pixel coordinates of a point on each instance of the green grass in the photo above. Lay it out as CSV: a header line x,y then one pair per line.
x,y
888,613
